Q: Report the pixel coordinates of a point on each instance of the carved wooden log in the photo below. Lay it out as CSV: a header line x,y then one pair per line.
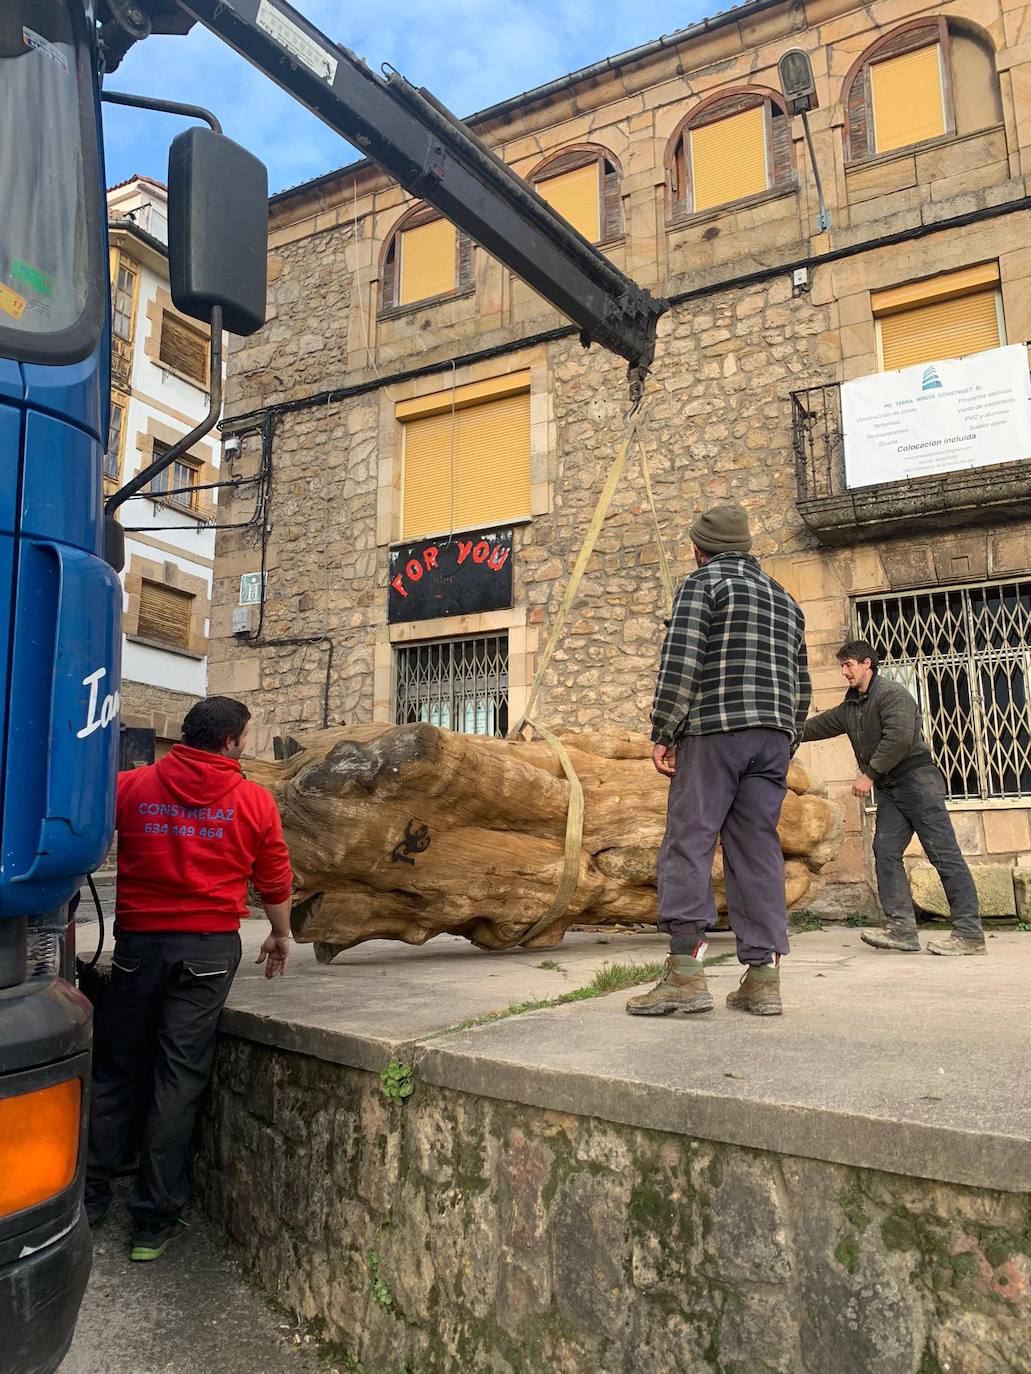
x,y
404,832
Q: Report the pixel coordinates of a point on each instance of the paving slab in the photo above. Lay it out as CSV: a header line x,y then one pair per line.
x,y
907,1063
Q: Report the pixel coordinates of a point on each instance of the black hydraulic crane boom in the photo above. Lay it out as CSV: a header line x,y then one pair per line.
x,y
429,152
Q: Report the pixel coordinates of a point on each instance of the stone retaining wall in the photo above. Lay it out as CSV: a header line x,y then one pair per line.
x,y
458,1233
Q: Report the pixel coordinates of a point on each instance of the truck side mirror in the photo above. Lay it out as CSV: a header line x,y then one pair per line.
x,y
217,229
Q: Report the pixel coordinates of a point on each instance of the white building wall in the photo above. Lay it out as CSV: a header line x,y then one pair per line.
x,y
159,395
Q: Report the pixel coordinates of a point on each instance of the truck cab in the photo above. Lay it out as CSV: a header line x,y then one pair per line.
x,y
60,610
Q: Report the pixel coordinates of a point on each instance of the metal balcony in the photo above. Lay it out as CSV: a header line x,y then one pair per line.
x,y
839,515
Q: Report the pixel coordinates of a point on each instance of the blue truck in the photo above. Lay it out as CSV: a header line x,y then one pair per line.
x,y
60,542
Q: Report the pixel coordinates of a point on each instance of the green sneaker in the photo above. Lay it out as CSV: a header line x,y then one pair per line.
x,y
957,944
759,992
151,1245
681,988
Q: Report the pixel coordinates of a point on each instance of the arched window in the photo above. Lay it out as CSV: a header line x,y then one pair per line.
x,y
924,80
582,184
424,259
733,146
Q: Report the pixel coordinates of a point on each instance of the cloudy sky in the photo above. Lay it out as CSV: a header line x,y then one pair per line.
x,y
468,53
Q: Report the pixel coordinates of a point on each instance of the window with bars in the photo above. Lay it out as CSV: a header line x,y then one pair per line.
x,y
165,614
965,654
458,684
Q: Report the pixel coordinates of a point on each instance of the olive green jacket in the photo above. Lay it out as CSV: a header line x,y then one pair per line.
x,y
883,727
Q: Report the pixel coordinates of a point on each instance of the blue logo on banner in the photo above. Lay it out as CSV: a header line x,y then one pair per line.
x,y
930,378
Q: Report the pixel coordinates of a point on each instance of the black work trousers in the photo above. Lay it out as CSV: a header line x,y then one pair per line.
x,y
153,1051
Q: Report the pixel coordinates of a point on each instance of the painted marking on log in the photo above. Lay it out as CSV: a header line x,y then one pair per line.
x,y
415,842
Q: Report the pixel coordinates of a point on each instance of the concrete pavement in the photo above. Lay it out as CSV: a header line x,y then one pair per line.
x,y
908,1063
191,1312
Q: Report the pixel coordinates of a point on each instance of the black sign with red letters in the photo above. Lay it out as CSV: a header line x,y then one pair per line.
x,y
457,575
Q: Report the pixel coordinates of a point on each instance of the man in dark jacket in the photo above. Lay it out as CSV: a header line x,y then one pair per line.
x,y
882,722
192,831
732,695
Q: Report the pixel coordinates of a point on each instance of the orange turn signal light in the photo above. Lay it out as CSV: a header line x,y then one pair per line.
x,y
39,1144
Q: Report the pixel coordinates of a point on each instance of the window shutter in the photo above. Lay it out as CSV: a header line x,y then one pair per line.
x,y
908,98
487,448
575,196
388,281
782,169
165,615
857,111
465,262
428,261
940,329
612,204
728,159
184,348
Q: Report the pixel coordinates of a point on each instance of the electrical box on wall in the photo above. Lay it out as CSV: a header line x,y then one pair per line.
x,y
244,618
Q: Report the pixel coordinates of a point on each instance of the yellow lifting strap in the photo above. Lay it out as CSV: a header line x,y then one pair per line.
x,y
575,809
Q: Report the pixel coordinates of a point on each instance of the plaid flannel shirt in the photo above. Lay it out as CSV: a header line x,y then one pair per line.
x,y
734,656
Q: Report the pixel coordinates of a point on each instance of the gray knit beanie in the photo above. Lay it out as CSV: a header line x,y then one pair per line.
x,y
724,529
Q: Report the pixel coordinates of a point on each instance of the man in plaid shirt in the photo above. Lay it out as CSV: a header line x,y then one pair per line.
x,y
731,700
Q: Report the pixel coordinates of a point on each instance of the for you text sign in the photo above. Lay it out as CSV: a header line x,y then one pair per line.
x,y
460,575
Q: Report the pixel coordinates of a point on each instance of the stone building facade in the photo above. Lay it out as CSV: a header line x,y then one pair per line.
x,y
706,195
159,392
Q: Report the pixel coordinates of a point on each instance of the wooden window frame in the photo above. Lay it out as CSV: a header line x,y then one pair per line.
x,y
781,168
120,402
177,503
389,275
858,132
173,646
196,328
610,183
122,346
169,574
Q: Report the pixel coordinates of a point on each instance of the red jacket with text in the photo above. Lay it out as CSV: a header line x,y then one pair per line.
x,y
191,832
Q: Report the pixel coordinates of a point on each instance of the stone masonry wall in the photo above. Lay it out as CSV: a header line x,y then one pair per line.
x,y
462,1233
727,359
155,708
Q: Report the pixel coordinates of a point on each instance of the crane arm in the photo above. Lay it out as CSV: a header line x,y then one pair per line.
x,y
434,156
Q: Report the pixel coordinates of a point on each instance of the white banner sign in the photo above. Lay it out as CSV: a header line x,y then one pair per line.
x,y
937,417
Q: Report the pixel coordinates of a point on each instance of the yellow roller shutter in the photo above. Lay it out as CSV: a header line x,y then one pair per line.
x,y
575,195
908,103
487,447
728,159
428,261
941,329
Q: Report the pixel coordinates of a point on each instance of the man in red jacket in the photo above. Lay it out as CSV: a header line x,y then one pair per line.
x,y
192,831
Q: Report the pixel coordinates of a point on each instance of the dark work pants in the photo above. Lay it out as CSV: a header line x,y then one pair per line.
x,y
728,787
152,1056
916,803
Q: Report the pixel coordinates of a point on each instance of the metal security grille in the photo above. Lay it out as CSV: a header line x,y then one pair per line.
x,y
458,684
965,654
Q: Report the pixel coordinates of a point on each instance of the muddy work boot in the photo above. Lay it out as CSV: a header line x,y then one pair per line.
x,y
759,992
957,944
897,934
682,988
